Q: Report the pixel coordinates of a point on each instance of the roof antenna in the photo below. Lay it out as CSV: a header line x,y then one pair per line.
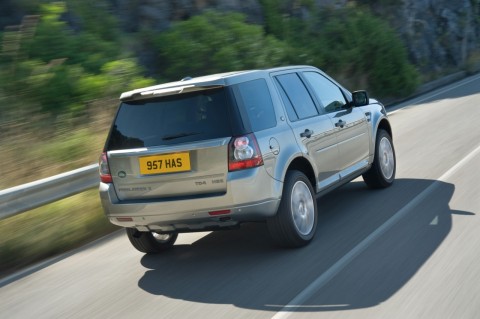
x,y
186,78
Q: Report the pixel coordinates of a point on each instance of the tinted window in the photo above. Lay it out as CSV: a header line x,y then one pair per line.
x,y
171,120
257,102
298,95
328,93
292,115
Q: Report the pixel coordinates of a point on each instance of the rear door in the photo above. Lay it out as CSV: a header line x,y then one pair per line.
x,y
171,146
313,130
351,124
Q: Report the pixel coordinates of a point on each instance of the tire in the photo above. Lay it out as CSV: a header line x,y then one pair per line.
x,y
382,172
295,223
150,242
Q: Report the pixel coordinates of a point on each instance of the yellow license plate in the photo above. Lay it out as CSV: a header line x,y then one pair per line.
x,y
160,164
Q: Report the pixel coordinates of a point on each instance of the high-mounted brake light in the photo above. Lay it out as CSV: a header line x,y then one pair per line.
x,y
243,153
104,170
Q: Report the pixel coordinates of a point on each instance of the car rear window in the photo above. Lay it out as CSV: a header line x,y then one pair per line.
x,y
170,120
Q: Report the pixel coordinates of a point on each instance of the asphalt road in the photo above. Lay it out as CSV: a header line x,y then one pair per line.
x,y
410,251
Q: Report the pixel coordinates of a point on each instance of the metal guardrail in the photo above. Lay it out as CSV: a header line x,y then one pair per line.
x,y
24,197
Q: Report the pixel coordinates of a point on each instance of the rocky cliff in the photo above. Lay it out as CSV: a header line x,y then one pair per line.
x,y
441,35
158,14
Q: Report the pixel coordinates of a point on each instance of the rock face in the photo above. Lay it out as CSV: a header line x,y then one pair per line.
x,y
440,34
158,14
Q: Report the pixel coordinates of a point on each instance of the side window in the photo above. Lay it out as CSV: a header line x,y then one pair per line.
x,y
255,98
292,115
328,93
297,100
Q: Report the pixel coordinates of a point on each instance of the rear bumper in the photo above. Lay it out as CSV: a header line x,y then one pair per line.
x,y
251,195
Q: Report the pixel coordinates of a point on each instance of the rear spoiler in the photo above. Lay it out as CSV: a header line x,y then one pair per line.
x,y
128,96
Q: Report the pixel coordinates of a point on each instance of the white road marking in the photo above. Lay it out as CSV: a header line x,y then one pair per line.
x,y
43,264
325,277
433,94
292,305
183,239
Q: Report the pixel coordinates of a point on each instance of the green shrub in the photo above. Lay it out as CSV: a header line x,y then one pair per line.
x,y
351,44
58,70
214,42
364,49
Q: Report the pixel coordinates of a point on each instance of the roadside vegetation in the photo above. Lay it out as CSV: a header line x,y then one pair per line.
x,y
50,230
64,65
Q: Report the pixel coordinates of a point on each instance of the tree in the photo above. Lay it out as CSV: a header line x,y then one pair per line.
x,y
214,42
364,48
57,70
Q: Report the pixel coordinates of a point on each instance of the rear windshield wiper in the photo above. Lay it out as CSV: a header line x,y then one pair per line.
x,y
174,136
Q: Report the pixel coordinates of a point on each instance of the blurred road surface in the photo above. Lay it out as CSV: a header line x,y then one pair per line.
x,y
410,251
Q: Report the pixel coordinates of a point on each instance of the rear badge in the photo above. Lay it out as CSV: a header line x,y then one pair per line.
x,y
122,174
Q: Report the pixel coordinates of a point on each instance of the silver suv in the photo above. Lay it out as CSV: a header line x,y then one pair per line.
x,y
213,152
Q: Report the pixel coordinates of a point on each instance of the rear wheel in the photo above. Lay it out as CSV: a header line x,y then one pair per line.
x,y
295,223
382,172
151,242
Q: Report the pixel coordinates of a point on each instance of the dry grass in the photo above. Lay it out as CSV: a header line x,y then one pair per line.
x,y
34,147
52,229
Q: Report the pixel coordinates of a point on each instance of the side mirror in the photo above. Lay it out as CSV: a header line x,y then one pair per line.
x,y
360,98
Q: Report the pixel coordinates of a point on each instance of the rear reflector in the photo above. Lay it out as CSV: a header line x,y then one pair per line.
x,y
125,219
219,212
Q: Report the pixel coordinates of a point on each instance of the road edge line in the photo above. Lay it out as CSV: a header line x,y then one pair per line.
x,y
432,94
331,272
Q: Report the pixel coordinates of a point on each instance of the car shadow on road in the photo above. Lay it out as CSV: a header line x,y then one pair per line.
x,y
242,268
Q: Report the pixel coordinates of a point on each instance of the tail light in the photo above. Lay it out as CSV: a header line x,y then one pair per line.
x,y
104,170
243,153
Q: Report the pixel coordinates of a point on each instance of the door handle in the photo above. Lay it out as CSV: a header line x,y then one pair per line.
x,y
307,133
340,124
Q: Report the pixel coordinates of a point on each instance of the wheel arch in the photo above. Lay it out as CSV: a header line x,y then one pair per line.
x,y
381,124
303,165
384,124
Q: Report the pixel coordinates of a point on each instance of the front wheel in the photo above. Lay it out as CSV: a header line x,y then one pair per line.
x,y
295,223
382,172
151,242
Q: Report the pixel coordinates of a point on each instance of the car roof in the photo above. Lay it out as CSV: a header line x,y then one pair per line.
x,y
201,83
